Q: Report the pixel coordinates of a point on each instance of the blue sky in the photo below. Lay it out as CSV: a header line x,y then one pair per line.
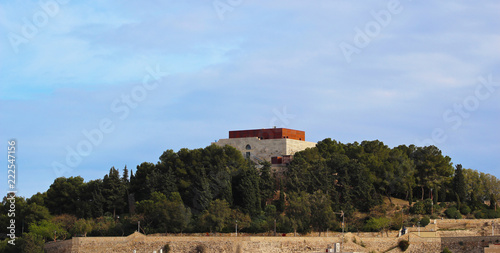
x,y
143,77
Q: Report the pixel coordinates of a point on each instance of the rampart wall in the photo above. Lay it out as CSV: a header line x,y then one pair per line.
x,y
352,242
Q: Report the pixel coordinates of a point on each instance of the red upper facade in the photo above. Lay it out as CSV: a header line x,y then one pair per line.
x,y
270,133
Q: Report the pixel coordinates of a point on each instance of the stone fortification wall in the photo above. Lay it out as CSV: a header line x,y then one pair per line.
x,y
266,148
469,244
352,242
294,146
263,149
225,244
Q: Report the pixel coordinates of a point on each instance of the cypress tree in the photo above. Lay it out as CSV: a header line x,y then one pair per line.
x,y
459,183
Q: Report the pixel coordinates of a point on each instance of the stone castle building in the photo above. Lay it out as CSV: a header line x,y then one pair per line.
x,y
275,145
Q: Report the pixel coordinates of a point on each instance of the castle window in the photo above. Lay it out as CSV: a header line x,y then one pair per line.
x,y
248,147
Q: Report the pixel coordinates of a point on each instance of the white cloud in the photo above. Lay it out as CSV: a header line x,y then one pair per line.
x,y
231,74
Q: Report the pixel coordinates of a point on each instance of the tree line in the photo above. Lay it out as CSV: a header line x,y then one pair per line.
x,y
214,188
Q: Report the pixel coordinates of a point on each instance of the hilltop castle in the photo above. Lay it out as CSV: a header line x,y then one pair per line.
x,y
274,145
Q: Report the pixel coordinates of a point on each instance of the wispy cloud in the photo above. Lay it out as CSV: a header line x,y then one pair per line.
x,y
232,73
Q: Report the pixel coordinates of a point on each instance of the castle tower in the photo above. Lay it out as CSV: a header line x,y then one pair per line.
x,y
275,145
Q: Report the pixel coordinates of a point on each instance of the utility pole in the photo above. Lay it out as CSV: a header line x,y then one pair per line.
x,y
236,228
139,226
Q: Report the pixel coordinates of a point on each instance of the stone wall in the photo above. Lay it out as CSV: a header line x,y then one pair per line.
x,y
294,146
266,148
225,244
230,244
469,244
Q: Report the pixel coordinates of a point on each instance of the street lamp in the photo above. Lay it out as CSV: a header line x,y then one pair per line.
x,y
236,228
342,242
492,228
418,225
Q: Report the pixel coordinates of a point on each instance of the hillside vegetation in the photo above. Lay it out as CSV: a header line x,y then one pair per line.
x,y
214,188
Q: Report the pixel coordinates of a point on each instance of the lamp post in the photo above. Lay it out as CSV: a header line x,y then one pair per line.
x,y
492,228
418,225
236,228
342,242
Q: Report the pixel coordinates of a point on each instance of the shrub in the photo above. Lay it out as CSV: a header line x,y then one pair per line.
x,y
166,248
453,213
487,214
403,245
438,208
464,209
434,216
446,250
413,221
418,208
376,224
200,249
428,205
32,243
425,221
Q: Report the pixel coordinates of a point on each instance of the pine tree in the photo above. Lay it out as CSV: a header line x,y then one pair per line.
x,y
266,184
459,183
125,178
114,191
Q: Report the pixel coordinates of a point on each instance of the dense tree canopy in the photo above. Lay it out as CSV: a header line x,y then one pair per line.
x,y
215,188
